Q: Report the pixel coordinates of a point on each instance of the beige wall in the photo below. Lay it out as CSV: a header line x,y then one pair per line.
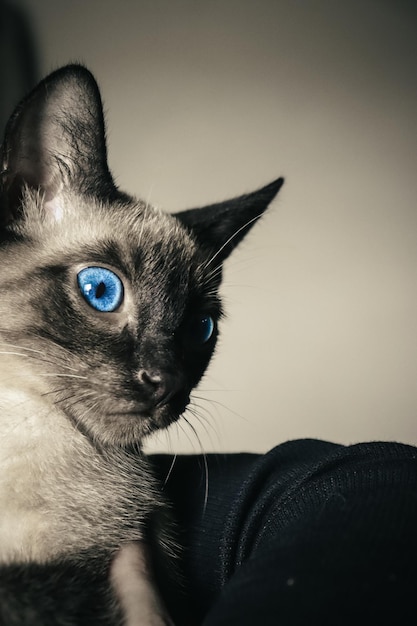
x,y
206,100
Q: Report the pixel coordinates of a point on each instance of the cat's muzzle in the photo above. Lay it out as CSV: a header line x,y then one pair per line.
x,y
161,393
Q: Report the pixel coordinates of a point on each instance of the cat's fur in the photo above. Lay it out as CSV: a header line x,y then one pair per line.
x,y
79,388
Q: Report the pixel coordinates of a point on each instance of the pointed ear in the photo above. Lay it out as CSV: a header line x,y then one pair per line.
x,y
55,142
220,227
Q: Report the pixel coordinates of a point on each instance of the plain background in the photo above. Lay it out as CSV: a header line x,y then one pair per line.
x,y
207,100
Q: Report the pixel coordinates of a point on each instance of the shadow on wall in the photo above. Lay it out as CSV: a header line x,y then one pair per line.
x,y
18,59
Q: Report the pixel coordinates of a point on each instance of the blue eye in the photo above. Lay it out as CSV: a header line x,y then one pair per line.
x,y
101,288
201,329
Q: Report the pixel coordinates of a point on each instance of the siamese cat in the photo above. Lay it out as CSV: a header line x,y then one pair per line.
x,y
109,314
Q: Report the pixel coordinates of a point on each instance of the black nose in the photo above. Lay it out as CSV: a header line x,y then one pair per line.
x,y
158,388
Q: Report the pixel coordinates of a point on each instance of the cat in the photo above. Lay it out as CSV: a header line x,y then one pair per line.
x,y
109,317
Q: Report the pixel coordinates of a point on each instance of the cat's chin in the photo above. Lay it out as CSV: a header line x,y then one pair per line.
x,y
127,428
146,424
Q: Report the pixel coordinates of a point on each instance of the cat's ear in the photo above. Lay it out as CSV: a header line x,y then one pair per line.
x,y
55,142
220,227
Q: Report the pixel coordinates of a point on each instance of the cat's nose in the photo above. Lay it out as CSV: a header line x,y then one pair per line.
x,y
158,387
149,378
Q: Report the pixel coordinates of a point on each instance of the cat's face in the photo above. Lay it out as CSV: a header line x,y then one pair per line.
x,y
112,304
122,309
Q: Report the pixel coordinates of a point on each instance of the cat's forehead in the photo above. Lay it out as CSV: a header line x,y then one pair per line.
x,y
132,234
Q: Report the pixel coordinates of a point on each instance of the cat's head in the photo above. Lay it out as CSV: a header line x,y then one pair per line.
x,y
112,305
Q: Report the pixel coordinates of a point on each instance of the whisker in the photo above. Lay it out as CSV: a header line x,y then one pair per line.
x,y
33,354
12,345
204,456
170,470
205,423
88,393
142,228
11,352
53,391
64,376
226,243
59,347
217,403
180,427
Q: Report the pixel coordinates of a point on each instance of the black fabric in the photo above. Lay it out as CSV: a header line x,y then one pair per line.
x,y
310,533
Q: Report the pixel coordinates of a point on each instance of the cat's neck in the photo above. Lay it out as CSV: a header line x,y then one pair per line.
x,y
59,493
